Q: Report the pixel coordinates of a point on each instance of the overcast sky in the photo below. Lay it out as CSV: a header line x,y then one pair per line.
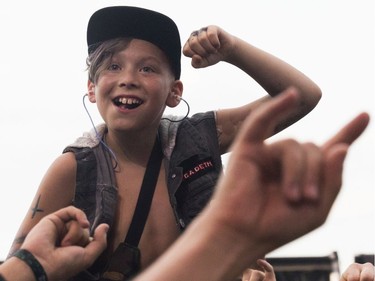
x,y
43,79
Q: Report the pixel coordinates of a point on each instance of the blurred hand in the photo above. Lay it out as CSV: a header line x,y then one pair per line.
x,y
359,272
264,273
268,188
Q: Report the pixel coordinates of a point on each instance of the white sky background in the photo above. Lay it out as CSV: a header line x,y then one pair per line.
x,y
43,79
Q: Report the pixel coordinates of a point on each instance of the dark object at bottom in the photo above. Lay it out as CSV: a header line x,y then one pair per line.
x,y
124,263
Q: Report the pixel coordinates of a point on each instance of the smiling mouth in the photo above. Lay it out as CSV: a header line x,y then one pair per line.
x,y
127,103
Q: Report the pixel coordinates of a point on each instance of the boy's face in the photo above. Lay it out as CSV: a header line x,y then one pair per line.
x,y
134,87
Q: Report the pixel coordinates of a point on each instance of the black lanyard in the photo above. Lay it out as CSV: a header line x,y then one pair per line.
x,y
125,261
145,196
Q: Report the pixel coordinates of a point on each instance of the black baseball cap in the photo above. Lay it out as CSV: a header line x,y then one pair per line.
x,y
134,22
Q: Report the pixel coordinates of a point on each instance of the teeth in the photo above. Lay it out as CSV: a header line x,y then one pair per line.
x,y
129,101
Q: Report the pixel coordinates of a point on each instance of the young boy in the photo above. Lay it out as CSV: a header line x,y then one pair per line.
x,y
134,73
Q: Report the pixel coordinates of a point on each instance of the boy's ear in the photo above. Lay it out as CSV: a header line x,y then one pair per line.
x,y
174,97
91,91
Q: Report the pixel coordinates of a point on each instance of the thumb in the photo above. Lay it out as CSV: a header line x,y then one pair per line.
x,y
98,244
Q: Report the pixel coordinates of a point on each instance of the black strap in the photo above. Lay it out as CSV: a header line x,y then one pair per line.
x,y
145,196
33,263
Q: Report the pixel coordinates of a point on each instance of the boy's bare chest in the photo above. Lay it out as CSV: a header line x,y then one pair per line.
x,y
160,228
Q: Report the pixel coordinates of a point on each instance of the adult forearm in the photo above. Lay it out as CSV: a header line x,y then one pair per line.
x,y
204,252
14,269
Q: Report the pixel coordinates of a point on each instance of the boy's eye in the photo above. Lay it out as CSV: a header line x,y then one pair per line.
x,y
113,66
147,69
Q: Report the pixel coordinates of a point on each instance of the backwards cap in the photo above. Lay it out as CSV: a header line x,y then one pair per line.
x,y
125,21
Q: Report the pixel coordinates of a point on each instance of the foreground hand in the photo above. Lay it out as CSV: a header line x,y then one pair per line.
x,y
275,193
61,244
359,272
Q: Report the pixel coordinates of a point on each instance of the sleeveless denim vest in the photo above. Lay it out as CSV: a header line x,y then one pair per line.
x,y
192,161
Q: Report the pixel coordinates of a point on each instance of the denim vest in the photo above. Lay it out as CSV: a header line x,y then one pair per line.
x,y
192,161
